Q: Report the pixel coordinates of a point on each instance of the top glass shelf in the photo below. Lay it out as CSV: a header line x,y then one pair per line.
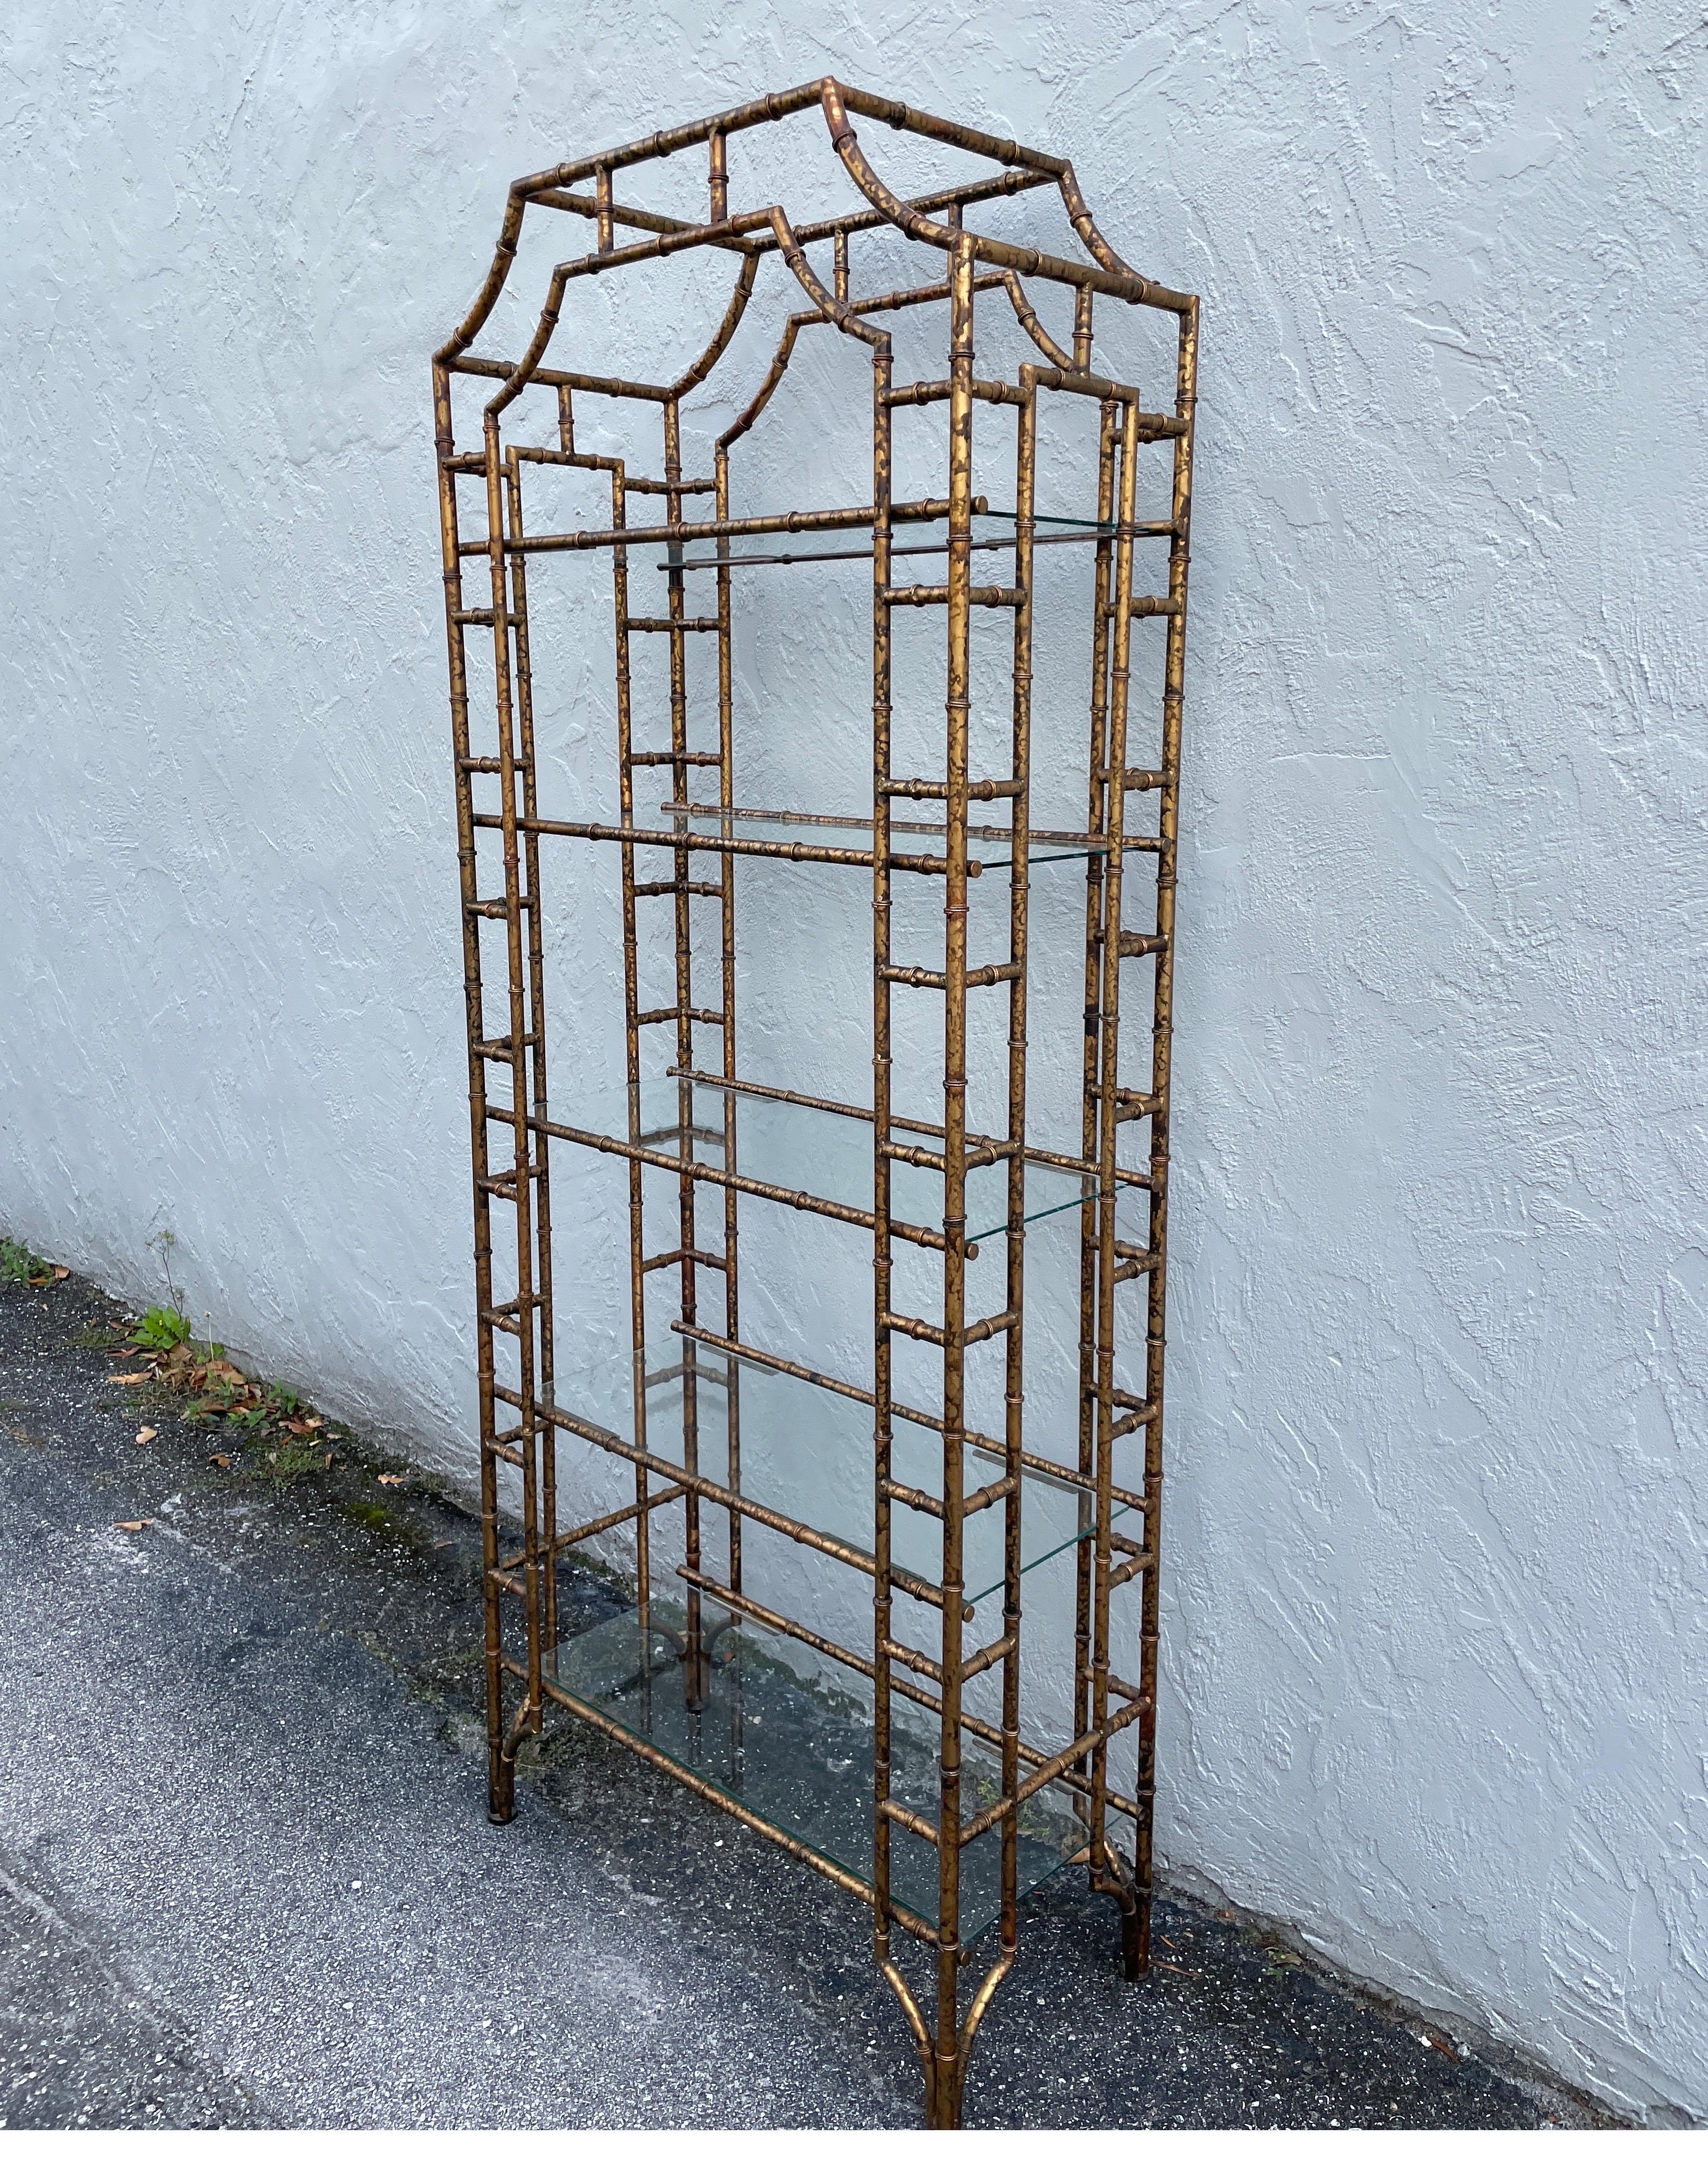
x,y
991,848
993,531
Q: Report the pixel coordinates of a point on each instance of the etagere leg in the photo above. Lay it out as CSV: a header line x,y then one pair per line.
x,y
1135,1939
1110,1876
501,1788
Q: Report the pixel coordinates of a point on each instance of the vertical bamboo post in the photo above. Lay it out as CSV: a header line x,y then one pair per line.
x,y
499,1791
1096,882
726,797
718,176
534,1292
517,1041
1108,1066
1025,477
607,224
676,594
883,1359
632,1041
961,299
1174,685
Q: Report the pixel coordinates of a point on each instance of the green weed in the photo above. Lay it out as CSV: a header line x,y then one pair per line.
x,y
20,1264
162,1329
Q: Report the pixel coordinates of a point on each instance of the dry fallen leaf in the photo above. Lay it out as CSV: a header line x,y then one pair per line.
x,y
220,1460
147,1525
147,1432
128,1378
388,1479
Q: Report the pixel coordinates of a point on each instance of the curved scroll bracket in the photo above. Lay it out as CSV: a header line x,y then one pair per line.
x,y
833,308
726,334
945,2072
501,1760
1115,1880
771,380
504,257
1032,325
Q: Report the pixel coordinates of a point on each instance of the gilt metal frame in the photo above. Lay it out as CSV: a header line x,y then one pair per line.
x,y
523,1414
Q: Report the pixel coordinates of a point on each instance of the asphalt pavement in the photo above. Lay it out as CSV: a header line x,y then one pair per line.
x,y
246,1877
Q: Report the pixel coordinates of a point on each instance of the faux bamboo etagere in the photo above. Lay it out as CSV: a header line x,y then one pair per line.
x,y
895,1752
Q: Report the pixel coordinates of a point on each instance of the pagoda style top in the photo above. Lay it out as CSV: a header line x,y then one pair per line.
x,y
936,219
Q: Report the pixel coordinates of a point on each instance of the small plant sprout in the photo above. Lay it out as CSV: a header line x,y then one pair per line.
x,y
163,1244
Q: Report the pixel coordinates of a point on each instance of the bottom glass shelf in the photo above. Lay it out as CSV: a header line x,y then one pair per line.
x,y
788,1733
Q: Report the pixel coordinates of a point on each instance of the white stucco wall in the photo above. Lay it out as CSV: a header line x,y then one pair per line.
x,y
1437,1621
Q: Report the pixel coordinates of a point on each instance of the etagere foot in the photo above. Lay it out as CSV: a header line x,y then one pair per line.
x,y
501,1765
1112,1877
1135,1940
944,2072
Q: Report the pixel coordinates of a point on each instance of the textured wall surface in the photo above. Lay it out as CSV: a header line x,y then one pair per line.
x,y
1437,1628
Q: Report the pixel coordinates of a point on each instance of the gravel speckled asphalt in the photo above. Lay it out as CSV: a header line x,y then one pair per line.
x,y
246,1877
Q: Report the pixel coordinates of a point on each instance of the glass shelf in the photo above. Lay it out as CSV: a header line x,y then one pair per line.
x,y
806,1451
787,1733
990,846
823,1154
993,531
